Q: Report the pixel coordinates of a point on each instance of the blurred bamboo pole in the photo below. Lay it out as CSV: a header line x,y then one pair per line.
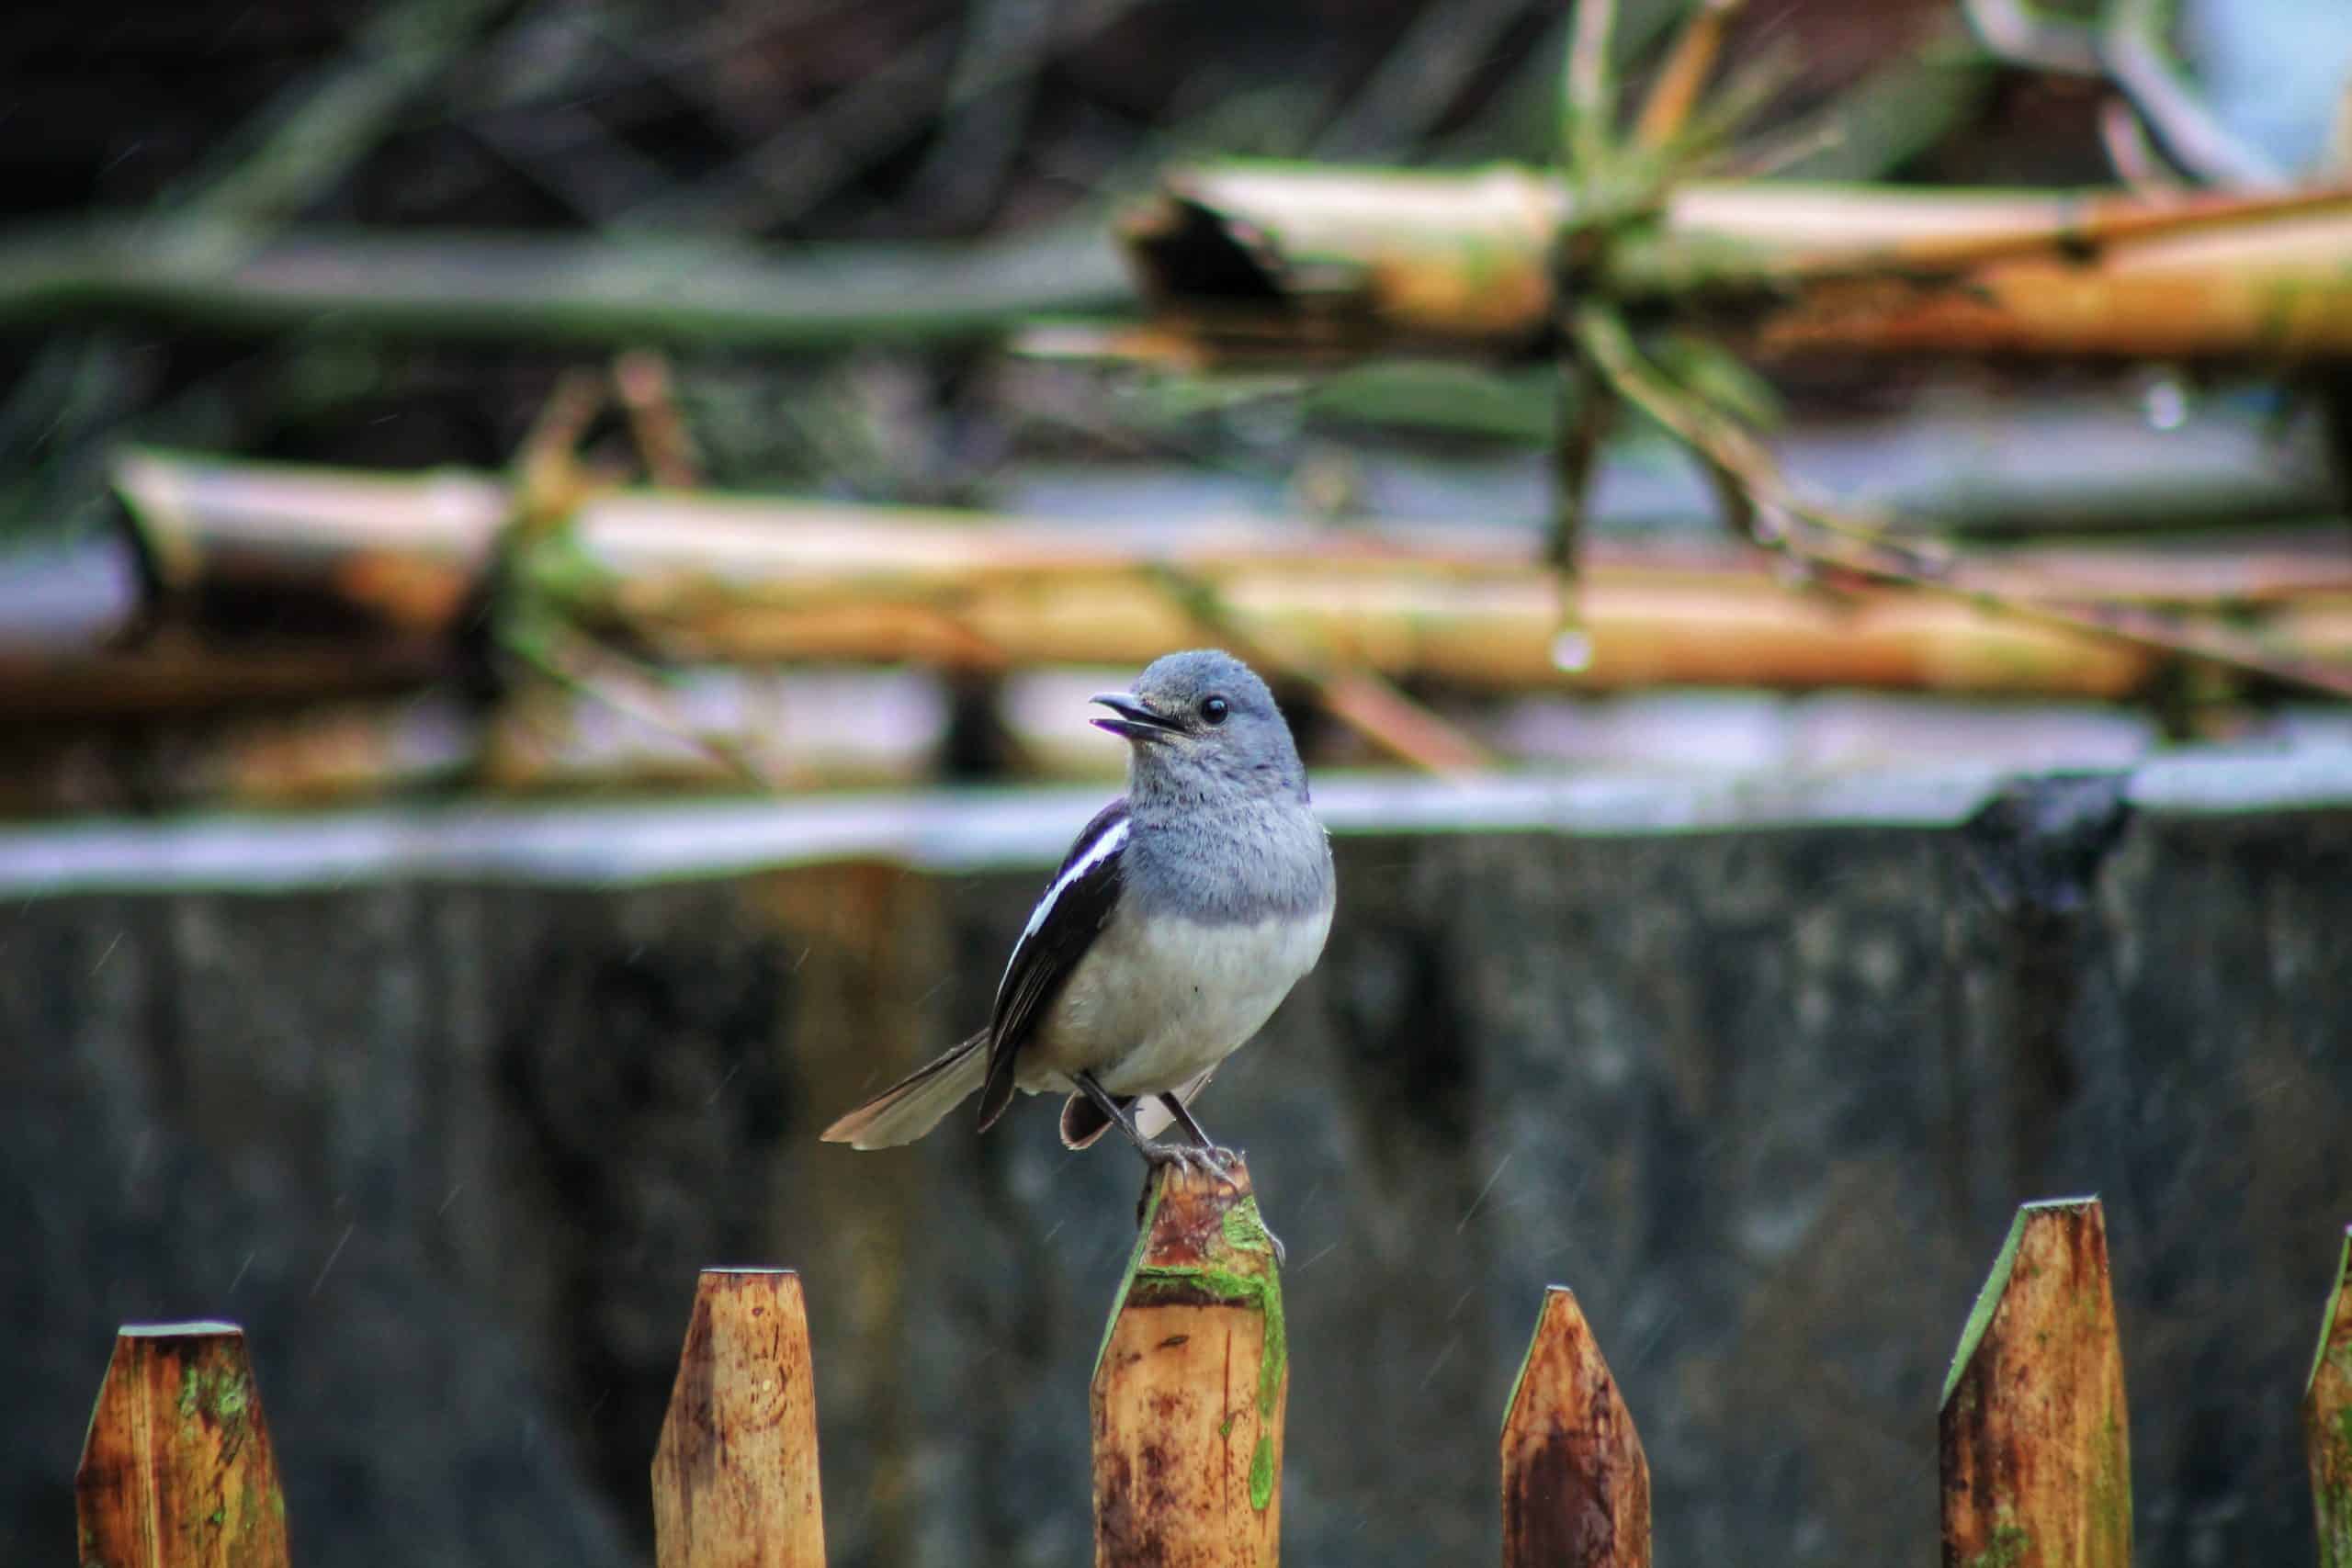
x,y
2327,1419
720,580
539,289
176,1469
1191,1384
1249,262
1576,1482
735,1471
2034,1441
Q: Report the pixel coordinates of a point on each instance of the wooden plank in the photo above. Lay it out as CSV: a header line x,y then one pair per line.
x,y
1576,1482
2034,1439
2327,1419
1190,1385
735,1473
176,1469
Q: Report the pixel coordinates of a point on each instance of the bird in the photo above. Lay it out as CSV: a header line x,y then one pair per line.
x,y
1181,917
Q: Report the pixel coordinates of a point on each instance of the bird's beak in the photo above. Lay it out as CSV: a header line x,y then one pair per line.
x,y
1136,722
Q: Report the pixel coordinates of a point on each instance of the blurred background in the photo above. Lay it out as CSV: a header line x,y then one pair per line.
x,y
551,556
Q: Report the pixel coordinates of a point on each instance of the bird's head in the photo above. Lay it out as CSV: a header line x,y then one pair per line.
x,y
1202,721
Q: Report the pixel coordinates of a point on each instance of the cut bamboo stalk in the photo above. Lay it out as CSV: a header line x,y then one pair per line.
x,y
1191,1384
2035,1450
176,1469
1273,262
1576,1482
735,1472
2327,1419
731,580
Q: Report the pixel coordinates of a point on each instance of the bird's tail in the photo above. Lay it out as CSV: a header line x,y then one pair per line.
x,y
913,1105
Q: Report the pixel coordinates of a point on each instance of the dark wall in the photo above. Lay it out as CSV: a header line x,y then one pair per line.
x,y
1766,1099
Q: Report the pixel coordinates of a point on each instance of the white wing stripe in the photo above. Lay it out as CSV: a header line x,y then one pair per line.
x,y
1098,852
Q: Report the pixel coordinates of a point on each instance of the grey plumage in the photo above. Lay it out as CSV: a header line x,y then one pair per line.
x,y
1225,832
1181,917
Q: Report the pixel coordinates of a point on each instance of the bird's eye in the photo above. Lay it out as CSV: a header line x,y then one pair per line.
x,y
1214,709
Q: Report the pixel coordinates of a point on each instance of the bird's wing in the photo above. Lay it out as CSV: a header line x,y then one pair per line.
x,y
1075,906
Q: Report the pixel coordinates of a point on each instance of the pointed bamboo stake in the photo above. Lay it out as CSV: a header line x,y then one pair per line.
x,y
1191,1384
176,1469
1575,1482
735,1473
2036,1455
2327,1419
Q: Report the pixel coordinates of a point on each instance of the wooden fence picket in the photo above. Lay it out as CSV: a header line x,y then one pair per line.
x,y
1575,1482
1188,1398
735,1480
1190,1385
177,1468
2035,1449
2327,1419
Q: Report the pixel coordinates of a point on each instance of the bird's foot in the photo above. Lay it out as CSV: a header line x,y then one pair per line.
x,y
1214,1159
1192,1156
1159,1158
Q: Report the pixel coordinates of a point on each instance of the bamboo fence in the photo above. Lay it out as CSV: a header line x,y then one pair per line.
x,y
1187,1405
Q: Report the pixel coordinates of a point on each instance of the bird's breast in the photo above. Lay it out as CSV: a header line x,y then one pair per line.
x,y
1160,998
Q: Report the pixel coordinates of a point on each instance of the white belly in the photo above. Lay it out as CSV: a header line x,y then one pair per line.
x,y
1187,995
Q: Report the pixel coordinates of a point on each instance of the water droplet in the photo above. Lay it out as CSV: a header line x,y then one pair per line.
x,y
1572,650
2165,402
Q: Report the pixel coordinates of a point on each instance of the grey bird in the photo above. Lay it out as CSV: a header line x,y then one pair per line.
x,y
1177,923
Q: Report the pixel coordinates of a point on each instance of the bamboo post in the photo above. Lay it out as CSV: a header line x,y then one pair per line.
x,y
735,1472
1191,1384
176,1470
2327,1419
1576,1482
2036,1455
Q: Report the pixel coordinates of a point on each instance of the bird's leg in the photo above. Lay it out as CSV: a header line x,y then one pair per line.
x,y
1155,1154
1184,1120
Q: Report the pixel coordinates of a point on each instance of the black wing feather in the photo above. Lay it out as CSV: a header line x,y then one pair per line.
x,y
1044,957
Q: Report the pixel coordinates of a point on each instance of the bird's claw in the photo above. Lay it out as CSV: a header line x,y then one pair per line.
x,y
1214,1160
1192,1156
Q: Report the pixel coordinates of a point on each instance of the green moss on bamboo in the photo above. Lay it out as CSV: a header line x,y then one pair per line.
x,y
2008,1548
1127,1280
221,1394
1263,1292
1989,1300
2340,1354
1261,1472
1526,1357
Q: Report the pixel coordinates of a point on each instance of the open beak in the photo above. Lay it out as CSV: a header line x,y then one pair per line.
x,y
1136,722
